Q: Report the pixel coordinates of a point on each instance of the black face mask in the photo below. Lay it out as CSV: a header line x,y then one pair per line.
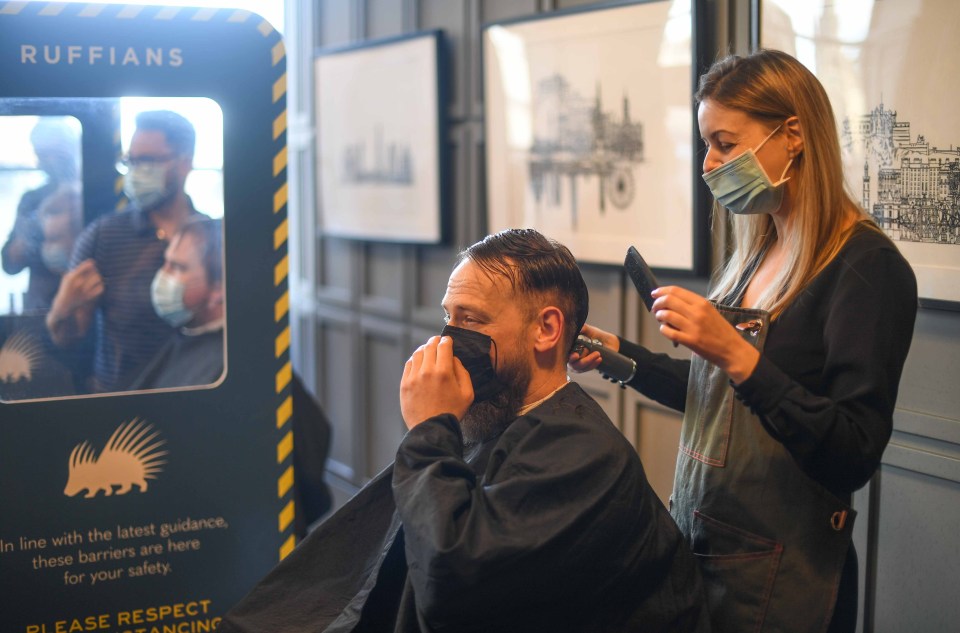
x,y
473,350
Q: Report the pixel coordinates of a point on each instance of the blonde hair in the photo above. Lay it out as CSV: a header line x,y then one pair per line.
x,y
771,86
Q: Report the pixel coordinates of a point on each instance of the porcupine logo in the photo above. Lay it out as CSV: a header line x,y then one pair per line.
x,y
19,358
131,457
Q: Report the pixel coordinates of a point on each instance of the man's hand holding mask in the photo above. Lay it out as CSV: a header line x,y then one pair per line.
x,y
434,382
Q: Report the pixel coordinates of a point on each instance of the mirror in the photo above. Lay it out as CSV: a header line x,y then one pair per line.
x,y
111,221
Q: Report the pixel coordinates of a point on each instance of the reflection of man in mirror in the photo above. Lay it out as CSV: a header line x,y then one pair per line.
x,y
56,143
188,293
28,367
61,220
117,256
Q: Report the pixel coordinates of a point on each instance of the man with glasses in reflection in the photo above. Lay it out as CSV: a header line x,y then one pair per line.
x,y
107,289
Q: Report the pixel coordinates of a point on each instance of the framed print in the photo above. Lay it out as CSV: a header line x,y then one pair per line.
x,y
379,140
890,70
590,131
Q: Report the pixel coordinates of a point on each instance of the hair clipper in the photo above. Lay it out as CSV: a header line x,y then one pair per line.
x,y
614,366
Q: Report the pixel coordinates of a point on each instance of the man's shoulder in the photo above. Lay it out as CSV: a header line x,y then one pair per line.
x,y
573,402
113,224
572,415
31,199
118,219
114,239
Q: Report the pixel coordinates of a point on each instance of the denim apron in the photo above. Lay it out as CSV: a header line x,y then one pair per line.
x,y
770,540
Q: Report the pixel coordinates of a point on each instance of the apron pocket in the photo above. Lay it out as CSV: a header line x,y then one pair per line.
x,y
739,569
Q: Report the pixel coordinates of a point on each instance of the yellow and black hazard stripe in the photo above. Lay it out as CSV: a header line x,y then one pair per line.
x,y
282,303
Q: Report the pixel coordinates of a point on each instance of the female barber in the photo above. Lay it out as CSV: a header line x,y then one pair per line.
x,y
797,354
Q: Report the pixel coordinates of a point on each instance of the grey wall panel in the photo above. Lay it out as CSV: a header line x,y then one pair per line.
x,y
336,275
303,234
452,17
918,553
499,10
458,143
337,370
335,21
384,18
384,278
924,455
467,193
300,34
606,296
384,354
935,427
930,378
432,270
475,217
570,4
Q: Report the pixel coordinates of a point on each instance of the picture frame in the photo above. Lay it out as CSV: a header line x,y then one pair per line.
x,y
379,146
595,151
899,144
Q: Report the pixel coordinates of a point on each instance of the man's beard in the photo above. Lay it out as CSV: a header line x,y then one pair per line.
x,y
488,419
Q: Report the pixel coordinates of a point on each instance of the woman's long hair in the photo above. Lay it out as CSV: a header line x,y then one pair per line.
x,y
771,86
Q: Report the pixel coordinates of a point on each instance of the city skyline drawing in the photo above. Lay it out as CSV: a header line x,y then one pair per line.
x,y
909,184
389,163
574,138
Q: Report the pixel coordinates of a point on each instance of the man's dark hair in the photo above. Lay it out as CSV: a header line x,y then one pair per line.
x,y
538,267
178,131
208,235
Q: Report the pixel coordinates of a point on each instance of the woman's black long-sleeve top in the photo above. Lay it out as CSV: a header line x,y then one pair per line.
x,y
826,383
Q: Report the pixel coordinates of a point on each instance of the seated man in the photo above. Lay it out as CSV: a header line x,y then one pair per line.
x,y
514,504
187,293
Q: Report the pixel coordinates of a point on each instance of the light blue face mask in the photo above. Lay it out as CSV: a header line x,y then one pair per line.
x,y
146,185
742,186
56,257
166,294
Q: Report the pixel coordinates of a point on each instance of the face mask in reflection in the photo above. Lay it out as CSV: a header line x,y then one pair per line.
x,y
56,257
473,350
166,294
742,186
146,185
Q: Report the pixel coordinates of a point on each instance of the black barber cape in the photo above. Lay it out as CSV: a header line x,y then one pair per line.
x,y
551,526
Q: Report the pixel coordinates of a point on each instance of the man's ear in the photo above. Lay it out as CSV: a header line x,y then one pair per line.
x,y
549,329
184,166
216,295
